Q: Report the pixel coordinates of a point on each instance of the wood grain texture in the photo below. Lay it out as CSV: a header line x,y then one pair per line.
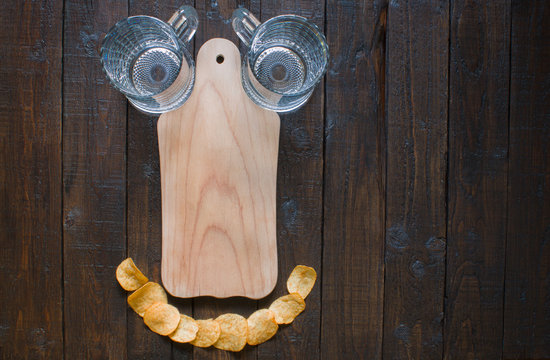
x,y
215,19
144,228
355,168
30,181
527,301
94,185
478,143
144,209
218,157
299,203
64,135
417,57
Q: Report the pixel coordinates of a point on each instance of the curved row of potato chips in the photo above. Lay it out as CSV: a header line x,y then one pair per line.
x,y
229,332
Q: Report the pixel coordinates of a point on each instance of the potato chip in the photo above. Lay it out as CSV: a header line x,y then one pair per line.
x,y
145,296
162,318
287,307
186,330
129,276
208,334
234,329
261,326
301,280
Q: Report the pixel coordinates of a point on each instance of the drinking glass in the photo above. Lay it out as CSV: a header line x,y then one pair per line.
x,y
286,58
148,61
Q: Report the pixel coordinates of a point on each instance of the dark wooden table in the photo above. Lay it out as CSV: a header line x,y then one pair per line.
x,y
416,181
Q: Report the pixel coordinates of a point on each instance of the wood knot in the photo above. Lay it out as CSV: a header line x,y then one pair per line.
x,y
417,269
436,246
402,332
397,238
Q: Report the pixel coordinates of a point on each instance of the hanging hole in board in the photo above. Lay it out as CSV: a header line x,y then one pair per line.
x,y
220,59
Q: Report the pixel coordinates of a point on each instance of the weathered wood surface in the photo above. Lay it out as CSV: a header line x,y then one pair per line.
x,y
527,281
31,259
94,188
477,178
415,181
354,182
417,114
299,203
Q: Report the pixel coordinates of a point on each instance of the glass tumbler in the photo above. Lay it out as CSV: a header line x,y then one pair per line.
x,y
286,58
148,61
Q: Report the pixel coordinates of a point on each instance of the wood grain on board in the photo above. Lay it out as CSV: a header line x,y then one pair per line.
x,y
215,19
218,161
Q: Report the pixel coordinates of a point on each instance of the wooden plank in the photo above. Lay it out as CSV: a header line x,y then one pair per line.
x,y
30,169
527,309
416,173
478,143
94,178
144,209
299,209
214,21
355,167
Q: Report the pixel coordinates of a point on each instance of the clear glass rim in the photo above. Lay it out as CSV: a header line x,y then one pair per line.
x,y
266,103
124,22
169,107
263,27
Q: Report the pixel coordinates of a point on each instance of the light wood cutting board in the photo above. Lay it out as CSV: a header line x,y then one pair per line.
x,y
218,163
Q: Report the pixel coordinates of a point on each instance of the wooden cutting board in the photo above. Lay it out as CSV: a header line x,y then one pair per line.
x,y
218,163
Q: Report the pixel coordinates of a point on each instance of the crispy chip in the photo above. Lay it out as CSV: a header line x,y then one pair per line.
x,y
186,330
208,334
234,329
287,307
129,276
301,280
145,296
162,318
261,326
